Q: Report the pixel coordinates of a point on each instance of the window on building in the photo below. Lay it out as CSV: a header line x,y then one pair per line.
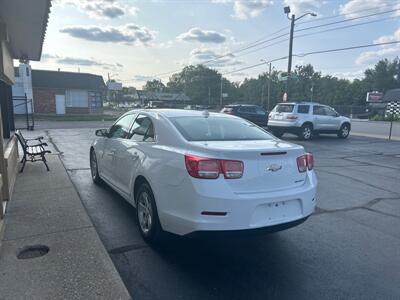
x,y
27,72
77,98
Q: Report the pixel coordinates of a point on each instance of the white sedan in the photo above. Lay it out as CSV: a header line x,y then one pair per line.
x,y
191,172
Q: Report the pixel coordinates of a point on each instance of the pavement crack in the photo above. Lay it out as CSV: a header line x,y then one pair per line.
x,y
370,164
368,206
50,140
359,181
127,248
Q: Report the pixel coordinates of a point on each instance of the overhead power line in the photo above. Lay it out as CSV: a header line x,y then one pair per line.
x,y
261,42
313,53
270,39
346,14
317,32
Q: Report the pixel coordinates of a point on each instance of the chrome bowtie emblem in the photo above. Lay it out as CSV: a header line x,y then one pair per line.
x,y
274,168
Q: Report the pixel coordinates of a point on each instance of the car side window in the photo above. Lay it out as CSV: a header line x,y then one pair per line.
x,y
330,112
303,109
121,128
319,110
244,109
260,111
251,110
142,130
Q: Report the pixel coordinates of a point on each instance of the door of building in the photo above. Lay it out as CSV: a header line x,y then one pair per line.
x,y
60,104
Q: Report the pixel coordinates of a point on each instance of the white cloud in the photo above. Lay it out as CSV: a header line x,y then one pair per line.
x,y
203,36
129,33
245,9
108,9
356,8
349,75
142,78
202,55
79,61
384,51
302,6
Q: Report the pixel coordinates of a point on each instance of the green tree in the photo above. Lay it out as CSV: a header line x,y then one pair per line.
x,y
154,85
201,84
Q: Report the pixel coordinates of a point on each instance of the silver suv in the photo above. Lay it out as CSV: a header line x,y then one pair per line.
x,y
307,119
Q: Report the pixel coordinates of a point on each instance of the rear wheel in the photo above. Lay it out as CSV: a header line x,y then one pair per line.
x,y
344,131
306,132
278,134
147,216
94,170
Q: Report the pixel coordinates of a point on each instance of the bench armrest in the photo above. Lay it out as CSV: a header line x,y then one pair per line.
x,y
39,138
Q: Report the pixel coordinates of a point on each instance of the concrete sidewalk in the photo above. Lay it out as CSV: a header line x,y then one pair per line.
x,y
46,210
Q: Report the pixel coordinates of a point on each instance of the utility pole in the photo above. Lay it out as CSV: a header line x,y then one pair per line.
x,y
293,20
289,69
269,87
262,95
209,96
312,90
220,98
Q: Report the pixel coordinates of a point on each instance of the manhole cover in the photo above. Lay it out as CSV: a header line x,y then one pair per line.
x,y
29,252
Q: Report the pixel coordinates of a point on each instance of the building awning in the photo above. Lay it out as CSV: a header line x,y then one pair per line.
x,y
26,23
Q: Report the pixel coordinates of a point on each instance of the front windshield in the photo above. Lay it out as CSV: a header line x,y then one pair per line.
x,y
218,129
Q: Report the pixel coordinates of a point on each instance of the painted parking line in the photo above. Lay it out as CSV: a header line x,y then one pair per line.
x,y
377,136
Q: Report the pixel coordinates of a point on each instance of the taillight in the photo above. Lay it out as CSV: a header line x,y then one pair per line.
x,y
209,168
232,169
305,162
310,161
291,117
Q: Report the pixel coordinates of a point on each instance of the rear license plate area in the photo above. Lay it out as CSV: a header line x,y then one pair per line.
x,y
276,212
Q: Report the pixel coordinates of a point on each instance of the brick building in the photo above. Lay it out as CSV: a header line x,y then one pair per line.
x,y
22,30
56,92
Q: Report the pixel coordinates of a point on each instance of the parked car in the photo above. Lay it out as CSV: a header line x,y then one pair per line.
x,y
253,113
190,172
307,119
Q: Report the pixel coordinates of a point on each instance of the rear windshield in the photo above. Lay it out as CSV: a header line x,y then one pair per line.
x,y
284,108
218,129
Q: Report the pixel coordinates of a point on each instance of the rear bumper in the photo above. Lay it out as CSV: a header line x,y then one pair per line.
x,y
246,232
183,212
284,129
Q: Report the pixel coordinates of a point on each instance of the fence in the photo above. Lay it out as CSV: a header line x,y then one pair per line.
x,y
353,111
23,111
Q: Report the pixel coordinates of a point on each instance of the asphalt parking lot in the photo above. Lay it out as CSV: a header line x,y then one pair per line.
x,y
350,247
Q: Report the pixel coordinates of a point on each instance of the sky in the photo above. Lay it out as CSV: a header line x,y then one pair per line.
x,y
137,40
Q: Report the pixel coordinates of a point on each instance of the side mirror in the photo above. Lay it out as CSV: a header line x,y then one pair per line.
x,y
102,132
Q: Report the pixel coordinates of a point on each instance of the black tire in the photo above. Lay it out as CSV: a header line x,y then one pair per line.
x,y
94,170
344,131
278,134
151,233
306,132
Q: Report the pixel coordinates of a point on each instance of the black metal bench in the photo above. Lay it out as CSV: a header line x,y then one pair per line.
x,y
32,151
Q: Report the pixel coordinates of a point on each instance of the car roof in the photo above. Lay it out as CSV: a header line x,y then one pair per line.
x,y
237,105
298,103
171,113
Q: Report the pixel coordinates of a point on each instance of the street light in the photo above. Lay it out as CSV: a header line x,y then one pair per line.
x,y
292,19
